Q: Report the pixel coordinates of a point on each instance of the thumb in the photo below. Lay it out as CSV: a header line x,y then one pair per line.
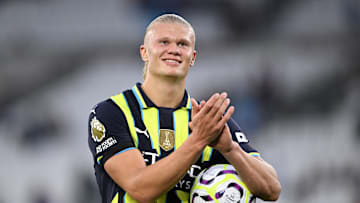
x,y
195,107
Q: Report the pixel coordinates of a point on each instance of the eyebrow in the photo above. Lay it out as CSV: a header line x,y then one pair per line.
x,y
180,40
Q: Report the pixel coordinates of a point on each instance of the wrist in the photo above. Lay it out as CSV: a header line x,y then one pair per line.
x,y
229,149
196,144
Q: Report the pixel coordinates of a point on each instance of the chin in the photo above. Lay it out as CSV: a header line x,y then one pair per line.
x,y
175,75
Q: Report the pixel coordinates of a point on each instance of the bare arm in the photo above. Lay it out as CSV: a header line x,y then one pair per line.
x,y
146,183
259,176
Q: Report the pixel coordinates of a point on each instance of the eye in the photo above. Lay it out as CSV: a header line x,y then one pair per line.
x,y
182,44
164,42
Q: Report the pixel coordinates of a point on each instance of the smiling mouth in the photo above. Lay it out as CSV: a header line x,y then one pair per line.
x,y
172,61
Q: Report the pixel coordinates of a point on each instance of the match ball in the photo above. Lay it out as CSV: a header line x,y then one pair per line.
x,y
220,184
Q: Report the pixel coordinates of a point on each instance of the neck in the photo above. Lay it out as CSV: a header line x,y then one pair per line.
x,y
164,93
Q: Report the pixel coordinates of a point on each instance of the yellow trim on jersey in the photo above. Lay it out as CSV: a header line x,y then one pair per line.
x,y
181,120
183,196
254,154
161,199
151,121
122,103
128,199
99,159
188,104
207,154
116,198
139,96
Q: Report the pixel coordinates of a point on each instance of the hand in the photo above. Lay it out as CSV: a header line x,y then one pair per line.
x,y
224,142
195,109
208,119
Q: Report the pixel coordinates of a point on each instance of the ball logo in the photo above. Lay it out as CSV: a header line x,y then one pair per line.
x,y
166,139
97,130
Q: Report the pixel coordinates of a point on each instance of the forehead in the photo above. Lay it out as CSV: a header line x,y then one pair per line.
x,y
170,30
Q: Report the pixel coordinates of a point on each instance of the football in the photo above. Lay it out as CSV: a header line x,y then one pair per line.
x,y
221,184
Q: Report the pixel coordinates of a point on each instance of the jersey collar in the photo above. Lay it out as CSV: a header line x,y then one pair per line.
x,y
145,102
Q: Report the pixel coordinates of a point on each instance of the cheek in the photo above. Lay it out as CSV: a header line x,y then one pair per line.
x,y
157,51
152,54
190,55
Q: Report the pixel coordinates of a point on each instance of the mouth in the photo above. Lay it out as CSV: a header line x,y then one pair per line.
x,y
172,61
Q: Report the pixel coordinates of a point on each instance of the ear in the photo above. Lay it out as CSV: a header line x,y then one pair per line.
x,y
193,58
143,53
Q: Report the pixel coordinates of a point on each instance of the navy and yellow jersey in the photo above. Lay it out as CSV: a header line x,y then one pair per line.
x,y
131,121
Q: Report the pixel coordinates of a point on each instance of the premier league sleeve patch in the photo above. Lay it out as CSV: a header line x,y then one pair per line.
x,y
241,137
97,130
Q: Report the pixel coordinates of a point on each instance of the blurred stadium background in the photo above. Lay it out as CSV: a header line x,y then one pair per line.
x,y
292,69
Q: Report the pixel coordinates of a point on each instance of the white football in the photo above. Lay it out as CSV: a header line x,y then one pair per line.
x,y
220,184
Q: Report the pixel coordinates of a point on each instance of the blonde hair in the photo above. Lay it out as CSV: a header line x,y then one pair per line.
x,y
166,18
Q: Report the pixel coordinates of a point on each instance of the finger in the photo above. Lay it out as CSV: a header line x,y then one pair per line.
x,y
202,103
209,104
195,106
216,107
190,125
227,116
223,108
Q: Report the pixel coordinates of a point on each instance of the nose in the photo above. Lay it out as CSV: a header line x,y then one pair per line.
x,y
173,49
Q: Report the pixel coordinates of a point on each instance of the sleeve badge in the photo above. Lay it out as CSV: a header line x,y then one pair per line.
x,y
241,137
97,130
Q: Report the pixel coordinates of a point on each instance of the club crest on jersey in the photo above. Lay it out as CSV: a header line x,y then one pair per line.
x,y
97,130
166,139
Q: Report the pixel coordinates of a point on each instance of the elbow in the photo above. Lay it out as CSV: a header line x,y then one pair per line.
x,y
141,195
272,193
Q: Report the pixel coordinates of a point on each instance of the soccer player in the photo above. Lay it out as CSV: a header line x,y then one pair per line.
x,y
149,142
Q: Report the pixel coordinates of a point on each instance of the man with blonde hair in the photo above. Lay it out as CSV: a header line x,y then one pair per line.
x,y
168,18
150,142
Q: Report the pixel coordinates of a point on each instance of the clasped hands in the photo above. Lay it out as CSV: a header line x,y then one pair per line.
x,y
209,121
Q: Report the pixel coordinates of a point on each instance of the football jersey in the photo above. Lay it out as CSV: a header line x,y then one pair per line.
x,y
130,120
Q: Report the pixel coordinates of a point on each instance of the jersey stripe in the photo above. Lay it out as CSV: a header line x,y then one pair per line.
x,y
128,199
151,121
122,103
181,128
183,196
162,198
139,97
206,154
257,154
99,159
188,103
116,198
139,102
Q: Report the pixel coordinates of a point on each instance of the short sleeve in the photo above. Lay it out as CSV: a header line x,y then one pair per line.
x,y
240,137
108,132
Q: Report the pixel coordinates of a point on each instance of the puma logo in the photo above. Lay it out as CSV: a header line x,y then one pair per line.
x,y
145,132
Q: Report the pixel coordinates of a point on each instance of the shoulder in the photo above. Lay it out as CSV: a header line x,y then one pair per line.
x,y
105,107
106,112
